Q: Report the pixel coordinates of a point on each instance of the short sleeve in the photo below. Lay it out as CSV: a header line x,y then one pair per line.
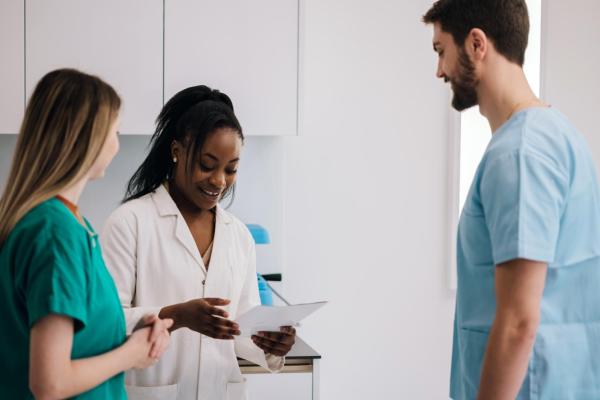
x,y
56,281
523,196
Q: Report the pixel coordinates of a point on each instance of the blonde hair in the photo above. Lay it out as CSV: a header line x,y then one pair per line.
x,y
66,123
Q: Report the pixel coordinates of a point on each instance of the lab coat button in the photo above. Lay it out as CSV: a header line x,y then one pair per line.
x,y
203,281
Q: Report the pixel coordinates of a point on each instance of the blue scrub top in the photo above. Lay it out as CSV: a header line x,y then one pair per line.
x,y
534,196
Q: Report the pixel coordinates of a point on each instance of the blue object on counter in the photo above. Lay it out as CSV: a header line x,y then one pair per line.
x,y
260,234
266,295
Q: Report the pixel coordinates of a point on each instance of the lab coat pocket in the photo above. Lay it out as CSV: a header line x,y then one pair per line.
x,y
473,345
166,392
237,391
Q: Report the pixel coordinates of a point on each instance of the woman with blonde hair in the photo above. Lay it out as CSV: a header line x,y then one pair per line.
x,y
63,329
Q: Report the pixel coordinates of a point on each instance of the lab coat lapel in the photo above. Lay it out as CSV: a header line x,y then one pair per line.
x,y
219,261
184,235
167,208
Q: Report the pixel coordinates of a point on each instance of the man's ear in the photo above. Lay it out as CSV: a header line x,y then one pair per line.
x,y
477,44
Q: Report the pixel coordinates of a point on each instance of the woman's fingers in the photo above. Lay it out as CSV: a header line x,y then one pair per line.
x,y
217,311
277,343
213,306
215,301
227,323
224,326
218,333
157,327
160,331
162,342
160,346
155,348
272,336
168,323
149,318
144,321
277,337
268,346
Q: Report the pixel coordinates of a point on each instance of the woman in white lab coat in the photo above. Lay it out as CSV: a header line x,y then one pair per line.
x,y
172,250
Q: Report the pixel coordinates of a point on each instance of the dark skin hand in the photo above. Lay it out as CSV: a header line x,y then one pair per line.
x,y
276,343
203,316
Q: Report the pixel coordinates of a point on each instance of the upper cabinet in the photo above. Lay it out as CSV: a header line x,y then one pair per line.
x,y
12,66
121,41
246,49
151,49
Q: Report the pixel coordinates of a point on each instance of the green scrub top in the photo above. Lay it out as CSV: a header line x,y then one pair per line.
x,y
51,264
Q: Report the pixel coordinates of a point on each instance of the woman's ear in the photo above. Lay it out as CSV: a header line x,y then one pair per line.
x,y
175,151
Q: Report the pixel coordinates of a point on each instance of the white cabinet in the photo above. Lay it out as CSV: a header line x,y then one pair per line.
x,y
118,40
12,65
246,49
293,386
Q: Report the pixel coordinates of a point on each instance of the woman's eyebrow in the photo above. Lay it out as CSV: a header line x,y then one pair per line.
x,y
217,159
211,156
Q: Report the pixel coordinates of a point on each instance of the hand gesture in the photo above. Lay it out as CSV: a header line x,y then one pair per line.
x,y
204,316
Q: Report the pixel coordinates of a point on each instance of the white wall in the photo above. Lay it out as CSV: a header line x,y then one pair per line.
x,y
365,201
571,63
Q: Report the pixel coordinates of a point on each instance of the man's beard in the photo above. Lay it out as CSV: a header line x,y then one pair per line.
x,y
463,86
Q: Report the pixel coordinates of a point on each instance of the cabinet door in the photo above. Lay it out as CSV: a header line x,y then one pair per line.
x,y
118,40
246,49
12,66
292,386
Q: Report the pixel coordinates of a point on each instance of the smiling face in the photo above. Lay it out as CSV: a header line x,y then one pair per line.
x,y
455,66
214,170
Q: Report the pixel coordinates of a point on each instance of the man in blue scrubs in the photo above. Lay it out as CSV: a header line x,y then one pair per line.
x,y
527,322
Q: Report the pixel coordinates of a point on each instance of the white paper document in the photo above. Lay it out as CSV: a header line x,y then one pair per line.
x,y
271,318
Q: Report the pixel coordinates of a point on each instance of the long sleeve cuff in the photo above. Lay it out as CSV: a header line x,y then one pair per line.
x,y
275,363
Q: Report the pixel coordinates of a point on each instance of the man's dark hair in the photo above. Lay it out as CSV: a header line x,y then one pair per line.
x,y
505,22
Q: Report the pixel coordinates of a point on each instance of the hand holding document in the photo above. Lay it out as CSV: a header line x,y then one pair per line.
x,y
271,318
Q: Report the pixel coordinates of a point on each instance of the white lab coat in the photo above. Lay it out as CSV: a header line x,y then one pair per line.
x,y
152,256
